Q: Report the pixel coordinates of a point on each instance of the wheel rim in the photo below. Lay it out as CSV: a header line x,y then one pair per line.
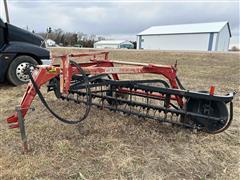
x,y
20,72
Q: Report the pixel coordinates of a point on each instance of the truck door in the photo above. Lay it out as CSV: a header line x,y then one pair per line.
x,y
2,39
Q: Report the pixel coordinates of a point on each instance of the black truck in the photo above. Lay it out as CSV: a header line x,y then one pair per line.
x,y
18,48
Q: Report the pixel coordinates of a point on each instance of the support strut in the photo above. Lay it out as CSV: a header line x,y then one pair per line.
x,y
22,129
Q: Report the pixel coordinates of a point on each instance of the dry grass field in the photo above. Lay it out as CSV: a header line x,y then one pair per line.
x,y
108,145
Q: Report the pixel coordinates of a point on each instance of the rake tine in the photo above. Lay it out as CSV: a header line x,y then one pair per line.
x,y
131,101
102,104
116,103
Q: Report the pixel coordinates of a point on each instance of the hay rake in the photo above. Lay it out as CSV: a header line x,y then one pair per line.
x,y
97,83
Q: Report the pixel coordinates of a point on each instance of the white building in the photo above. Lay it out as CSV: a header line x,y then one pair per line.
x,y
113,44
50,43
213,36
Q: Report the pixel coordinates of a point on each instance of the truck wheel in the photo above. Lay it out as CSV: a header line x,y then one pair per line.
x,y
15,71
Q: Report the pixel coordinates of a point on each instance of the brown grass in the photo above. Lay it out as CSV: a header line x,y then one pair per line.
x,y
112,146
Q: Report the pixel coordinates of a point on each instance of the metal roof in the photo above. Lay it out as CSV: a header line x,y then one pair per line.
x,y
112,42
186,28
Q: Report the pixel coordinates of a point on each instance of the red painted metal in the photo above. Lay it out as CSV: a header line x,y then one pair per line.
x,y
65,75
85,54
212,90
43,75
96,66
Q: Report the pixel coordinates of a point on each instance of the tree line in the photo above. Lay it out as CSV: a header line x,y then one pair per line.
x,y
77,39
71,39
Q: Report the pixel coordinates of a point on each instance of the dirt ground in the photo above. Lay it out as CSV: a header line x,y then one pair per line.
x,y
108,145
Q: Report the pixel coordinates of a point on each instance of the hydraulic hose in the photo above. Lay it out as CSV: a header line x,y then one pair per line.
x,y
180,84
88,94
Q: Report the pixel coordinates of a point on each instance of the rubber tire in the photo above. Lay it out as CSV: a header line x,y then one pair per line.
x,y
11,74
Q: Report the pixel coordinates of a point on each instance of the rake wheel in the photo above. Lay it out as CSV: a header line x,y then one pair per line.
x,y
216,109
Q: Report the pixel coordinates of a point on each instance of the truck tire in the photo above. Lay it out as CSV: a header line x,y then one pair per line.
x,y
15,73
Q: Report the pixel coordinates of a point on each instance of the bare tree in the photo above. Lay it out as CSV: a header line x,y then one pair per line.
x,y
72,39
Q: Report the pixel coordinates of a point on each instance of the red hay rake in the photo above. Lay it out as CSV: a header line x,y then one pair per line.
x,y
99,83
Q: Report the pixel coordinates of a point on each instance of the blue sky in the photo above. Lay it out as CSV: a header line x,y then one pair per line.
x,y
119,19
